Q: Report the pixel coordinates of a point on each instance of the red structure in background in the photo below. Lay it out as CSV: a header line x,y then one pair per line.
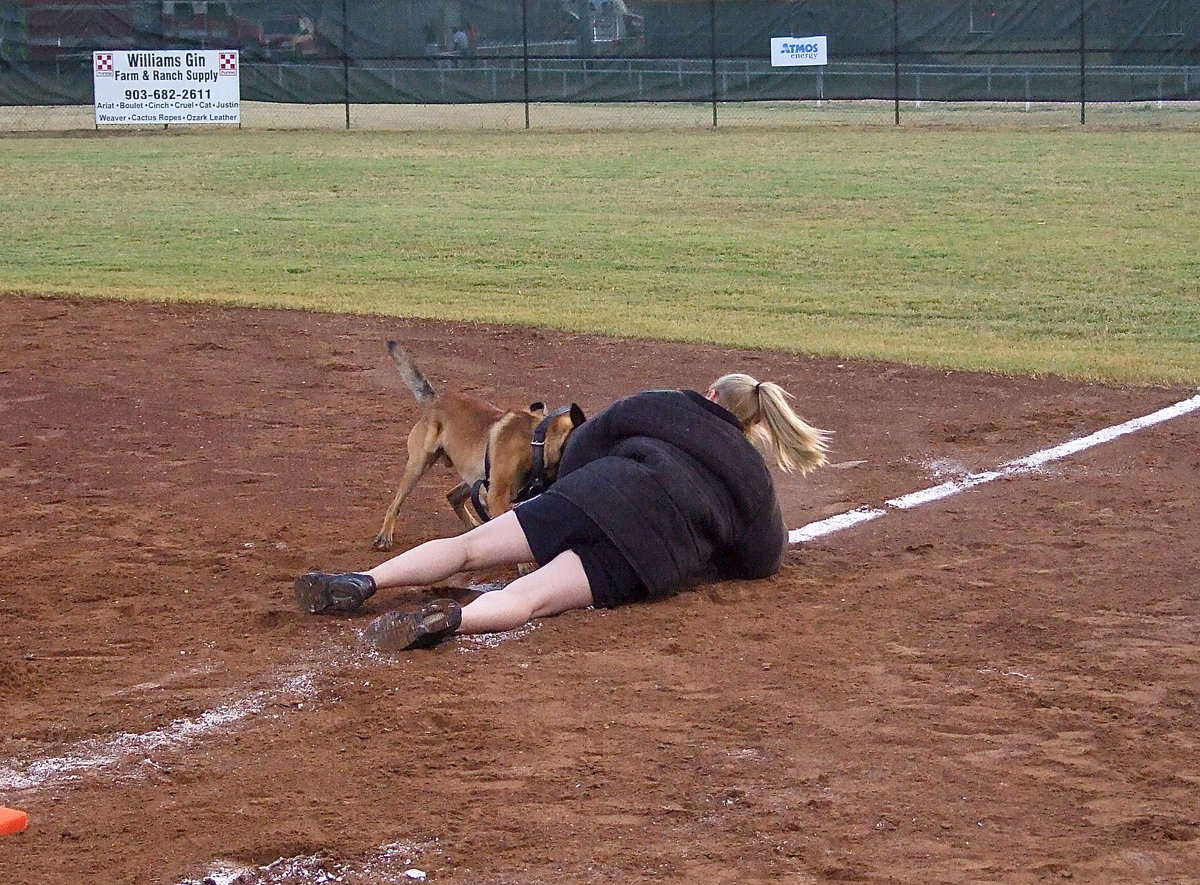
x,y
53,29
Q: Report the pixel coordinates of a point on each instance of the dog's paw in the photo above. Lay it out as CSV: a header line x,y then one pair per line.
x,y
383,542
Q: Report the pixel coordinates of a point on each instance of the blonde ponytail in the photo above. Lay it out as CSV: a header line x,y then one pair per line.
x,y
770,423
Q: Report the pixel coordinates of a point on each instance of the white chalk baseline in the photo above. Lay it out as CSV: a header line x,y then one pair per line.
x,y
1029,463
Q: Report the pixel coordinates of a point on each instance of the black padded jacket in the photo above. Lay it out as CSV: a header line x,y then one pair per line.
x,y
673,482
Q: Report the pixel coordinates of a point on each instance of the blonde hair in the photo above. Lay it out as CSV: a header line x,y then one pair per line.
x,y
770,423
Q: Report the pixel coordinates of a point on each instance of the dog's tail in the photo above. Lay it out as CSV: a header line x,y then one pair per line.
x,y
413,377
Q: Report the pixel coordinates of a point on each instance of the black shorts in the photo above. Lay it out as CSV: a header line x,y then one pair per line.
x,y
553,524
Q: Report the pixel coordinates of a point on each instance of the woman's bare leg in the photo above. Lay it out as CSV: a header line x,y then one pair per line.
x,y
500,541
558,586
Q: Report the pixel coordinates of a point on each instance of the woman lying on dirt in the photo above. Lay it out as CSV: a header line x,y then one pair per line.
x,y
659,492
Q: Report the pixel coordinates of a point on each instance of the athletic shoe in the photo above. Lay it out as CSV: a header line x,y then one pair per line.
x,y
424,628
320,592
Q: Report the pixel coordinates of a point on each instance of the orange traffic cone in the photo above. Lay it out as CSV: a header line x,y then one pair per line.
x,y
12,821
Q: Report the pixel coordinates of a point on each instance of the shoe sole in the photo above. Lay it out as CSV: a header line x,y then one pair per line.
x,y
402,631
312,594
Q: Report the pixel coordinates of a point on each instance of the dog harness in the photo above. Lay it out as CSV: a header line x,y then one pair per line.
x,y
537,480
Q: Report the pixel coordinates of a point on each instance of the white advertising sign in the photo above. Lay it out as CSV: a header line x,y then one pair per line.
x,y
787,51
172,86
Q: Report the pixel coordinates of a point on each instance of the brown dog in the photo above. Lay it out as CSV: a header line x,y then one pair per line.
x,y
507,455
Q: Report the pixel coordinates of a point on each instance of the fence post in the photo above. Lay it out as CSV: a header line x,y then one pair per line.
x,y
346,61
525,54
712,51
1082,62
896,57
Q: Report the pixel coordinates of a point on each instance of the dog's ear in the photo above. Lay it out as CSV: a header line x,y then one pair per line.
x,y
538,408
577,416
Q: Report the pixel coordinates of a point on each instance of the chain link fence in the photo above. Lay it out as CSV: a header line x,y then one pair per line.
x,y
449,64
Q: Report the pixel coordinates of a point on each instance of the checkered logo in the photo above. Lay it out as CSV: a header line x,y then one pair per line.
x,y
104,64
227,64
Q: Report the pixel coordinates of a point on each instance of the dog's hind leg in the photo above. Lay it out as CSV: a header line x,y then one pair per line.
x,y
417,464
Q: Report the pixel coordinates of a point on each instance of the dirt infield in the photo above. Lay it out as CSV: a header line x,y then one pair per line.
x,y
1001,686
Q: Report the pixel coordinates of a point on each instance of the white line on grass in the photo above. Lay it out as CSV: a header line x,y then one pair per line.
x,y
1022,465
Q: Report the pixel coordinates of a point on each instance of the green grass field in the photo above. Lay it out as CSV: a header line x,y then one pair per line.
x,y
1067,250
